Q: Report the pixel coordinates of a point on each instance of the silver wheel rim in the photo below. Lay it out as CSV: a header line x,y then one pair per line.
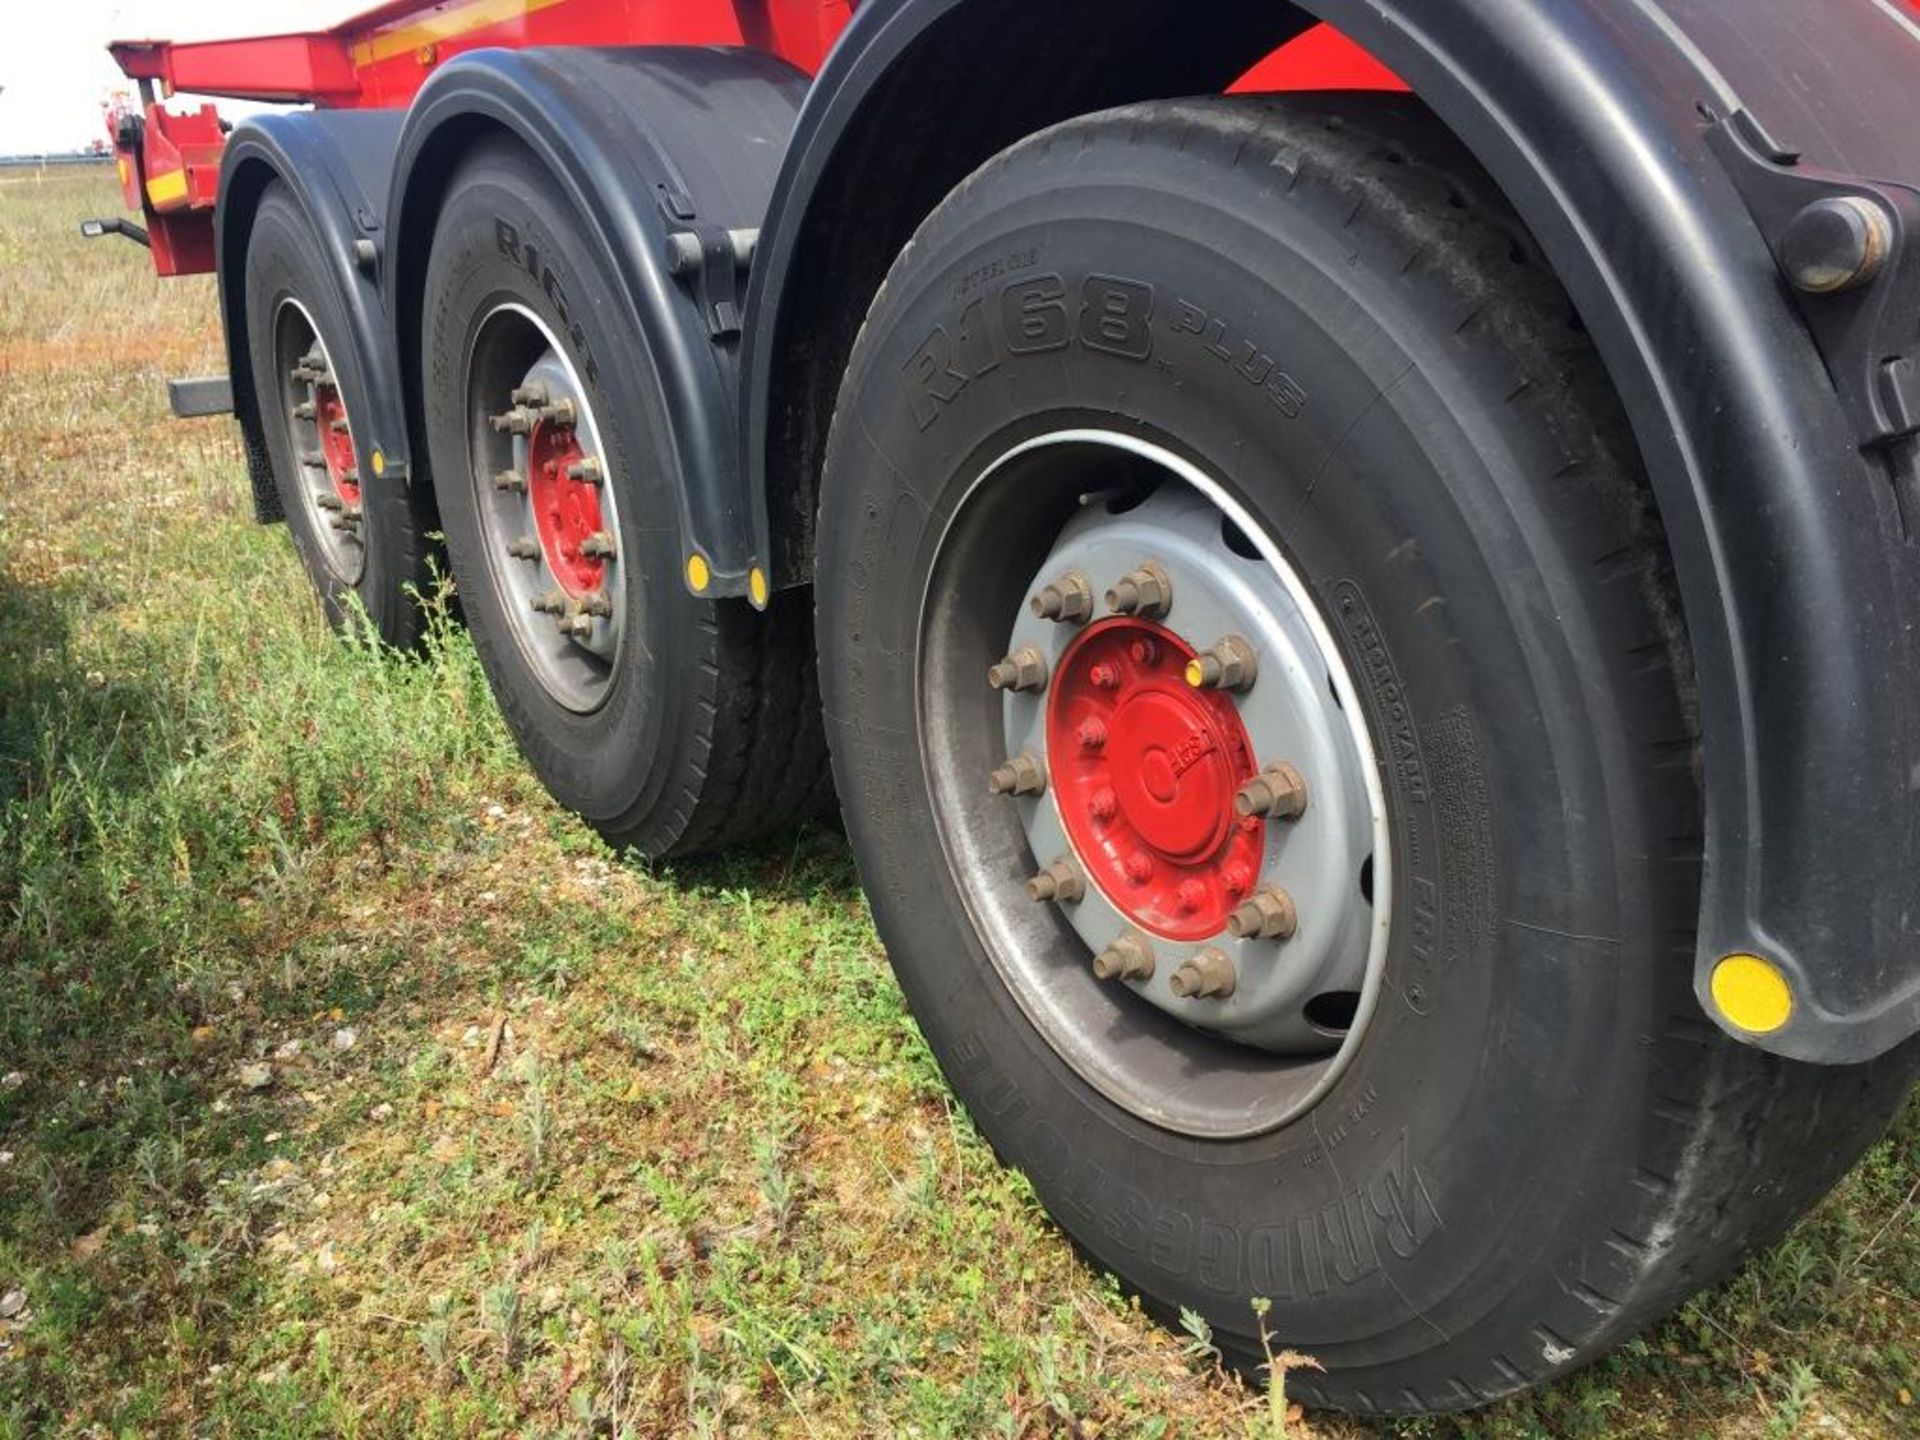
x,y
306,374
570,632
1208,1067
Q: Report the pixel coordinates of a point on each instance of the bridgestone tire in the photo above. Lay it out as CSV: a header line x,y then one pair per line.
x,y
709,733
284,261
1541,1144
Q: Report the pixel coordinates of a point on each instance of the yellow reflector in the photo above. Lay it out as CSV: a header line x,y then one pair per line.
x,y
757,586
698,575
379,463
1752,993
1196,677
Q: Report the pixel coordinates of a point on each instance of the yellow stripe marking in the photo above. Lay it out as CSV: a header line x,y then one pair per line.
x,y
448,24
167,188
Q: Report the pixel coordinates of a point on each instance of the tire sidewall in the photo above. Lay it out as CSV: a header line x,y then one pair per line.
x,y
506,234
285,262
1426,1183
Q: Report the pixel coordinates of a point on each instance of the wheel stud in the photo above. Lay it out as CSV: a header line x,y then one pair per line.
x,y
1236,878
599,545
1060,881
1145,652
554,602
524,548
561,413
1205,976
595,602
1068,600
1128,958
1146,591
1103,805
1139,867
329,502
348,520
534,395
338,425
1229,665
1103,676
578,625
1191,895
1024,669
1092,735
509,480
586,471
304,410
1267,914
1277,792
517,421
1022,775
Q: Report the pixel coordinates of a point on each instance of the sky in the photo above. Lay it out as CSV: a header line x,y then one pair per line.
x,y
55,71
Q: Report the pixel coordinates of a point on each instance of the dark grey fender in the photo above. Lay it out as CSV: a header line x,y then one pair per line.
x,y
1655,148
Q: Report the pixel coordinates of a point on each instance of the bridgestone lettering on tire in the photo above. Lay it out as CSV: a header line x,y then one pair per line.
x,y
672,724
1301,356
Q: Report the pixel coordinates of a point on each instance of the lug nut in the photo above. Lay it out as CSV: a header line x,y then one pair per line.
x,y
509,480
554,602
1068,600
1024,669
338,425
517,421
1267,914
1060,881
1092,735
1236,878
1139,867
304,410
1191,895
329,502
1103,676
578,625
1128,958
560,413
1103,804
586,471
595,602
599,545
1229,665
534,395
1277,792
524,548
1207,975
1146,592
1022,775
348,520
1145,652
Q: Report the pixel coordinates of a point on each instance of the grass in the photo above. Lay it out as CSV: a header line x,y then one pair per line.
x,y
347,1087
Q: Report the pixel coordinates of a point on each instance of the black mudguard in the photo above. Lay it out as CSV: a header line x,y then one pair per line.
x,y
669,155
1656,150
335,163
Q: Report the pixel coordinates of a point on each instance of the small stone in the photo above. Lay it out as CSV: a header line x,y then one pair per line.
x,y
382,1111
12,1080
344,1037
257,1076
290,1050
12,1303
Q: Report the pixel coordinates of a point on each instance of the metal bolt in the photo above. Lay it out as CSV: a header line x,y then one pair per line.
x,y
1835,244
553,602
1229,664
509,480
524,548
1145,652
1139,867
348,520
561,413
304,410
338,425
1191,895
1236,878
517,421
1146,591
586,471
329,502
1022,775
599,545
1278,792
1207,975
1103,676
1267,914
578,625
534,395
349,477
1024,669
1092,735
1060,881
595,602
1128,958
1103,805
1068,600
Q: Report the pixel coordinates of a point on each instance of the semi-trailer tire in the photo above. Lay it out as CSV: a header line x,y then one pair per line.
x,y
363,538
1278,402
671,723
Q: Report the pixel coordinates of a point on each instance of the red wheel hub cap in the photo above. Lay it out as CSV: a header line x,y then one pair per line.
x,y
565,511
1144,768
336,445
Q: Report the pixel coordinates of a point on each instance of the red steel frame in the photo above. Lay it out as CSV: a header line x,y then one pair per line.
x,y
170,165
